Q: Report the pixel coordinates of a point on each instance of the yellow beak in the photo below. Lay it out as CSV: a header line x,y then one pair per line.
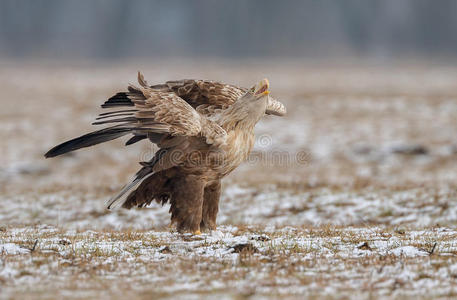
x,y
262,88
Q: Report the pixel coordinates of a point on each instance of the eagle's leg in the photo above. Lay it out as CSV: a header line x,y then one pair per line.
x,y
186,203
211,197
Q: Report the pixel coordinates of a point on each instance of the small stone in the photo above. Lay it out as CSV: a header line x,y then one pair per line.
x,y
400,231
261,238
244,247
364,246
165,249
410,150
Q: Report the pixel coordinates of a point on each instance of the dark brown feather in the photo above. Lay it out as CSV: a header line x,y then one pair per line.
x,y
135,138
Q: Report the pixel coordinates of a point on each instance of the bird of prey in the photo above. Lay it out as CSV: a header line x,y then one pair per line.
x,y
204,129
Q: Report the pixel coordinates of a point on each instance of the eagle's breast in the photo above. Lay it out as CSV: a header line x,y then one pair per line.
x,y
238,146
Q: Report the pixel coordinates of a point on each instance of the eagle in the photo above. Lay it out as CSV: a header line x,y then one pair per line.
x,y
203,129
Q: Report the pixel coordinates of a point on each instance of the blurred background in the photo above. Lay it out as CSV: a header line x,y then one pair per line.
x,y
370,87
122,29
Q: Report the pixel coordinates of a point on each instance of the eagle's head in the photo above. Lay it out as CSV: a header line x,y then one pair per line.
x,y
254,102
260,90
250,107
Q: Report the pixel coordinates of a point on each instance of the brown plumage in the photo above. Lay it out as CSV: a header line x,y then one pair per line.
x,y
204,130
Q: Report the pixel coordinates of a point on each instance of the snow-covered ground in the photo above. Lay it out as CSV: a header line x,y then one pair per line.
x,y
268,262
353,193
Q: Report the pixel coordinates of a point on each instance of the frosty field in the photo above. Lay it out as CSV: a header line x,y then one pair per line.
x,y
352,194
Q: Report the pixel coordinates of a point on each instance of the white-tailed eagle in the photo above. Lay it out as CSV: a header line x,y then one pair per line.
x,y
204,130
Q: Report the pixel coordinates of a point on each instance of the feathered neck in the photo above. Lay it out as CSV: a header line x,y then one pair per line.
x,y
238,117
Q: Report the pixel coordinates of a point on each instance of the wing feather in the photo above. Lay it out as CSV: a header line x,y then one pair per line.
x,y
159,110
206,92
210,97
177,108
274,107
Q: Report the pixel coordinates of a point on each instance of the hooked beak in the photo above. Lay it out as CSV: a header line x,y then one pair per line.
x,y
261,89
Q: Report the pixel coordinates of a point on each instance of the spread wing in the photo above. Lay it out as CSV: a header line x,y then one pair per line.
x,y
206,92
208,97
176,106
274,107
157,113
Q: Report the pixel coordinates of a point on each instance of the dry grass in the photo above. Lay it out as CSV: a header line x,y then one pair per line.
x,y
249,260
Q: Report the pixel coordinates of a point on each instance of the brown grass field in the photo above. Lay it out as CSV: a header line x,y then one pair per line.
x,y
352,195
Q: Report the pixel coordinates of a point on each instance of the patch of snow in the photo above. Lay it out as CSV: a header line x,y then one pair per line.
x,y
11,248
408,251
8,272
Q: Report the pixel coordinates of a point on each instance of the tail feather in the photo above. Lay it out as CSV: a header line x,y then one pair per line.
x,y
88,140
158,186
121,197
